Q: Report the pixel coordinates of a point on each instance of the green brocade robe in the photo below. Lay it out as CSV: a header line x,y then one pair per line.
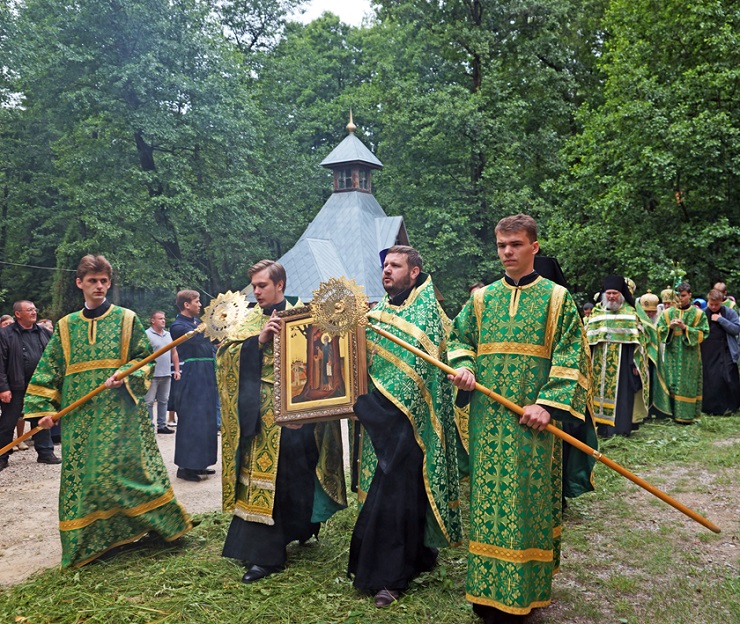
x,y
249,475
606,332
424,395
528,344
682,363
114,486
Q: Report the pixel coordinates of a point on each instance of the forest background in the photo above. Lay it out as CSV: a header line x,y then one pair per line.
x,y
182,138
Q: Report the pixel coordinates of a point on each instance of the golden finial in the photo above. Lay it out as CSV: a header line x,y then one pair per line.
x,y
351,127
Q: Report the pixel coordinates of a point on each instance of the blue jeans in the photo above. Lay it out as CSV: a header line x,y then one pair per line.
x,y
159,391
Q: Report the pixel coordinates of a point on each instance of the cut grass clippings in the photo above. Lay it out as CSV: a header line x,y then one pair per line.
x,y
627,558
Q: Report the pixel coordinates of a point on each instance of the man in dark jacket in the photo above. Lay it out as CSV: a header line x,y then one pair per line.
x,y
21,346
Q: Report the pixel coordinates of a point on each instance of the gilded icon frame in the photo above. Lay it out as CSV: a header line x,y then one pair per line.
x,y
318,377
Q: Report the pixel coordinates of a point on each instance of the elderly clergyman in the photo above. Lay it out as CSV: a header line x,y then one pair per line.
x,y
619,359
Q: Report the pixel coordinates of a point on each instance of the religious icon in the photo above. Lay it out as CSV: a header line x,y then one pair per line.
x,y
317,376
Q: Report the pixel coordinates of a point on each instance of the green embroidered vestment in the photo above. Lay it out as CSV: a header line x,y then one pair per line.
x,y
249,474
682,363
114,486
528,344
424,395
606,332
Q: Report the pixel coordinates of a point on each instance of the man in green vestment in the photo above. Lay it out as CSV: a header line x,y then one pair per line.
x,y
682,328
408,483
114,486
621,376
280,483
522,337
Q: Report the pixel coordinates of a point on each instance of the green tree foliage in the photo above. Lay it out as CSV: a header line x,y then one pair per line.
x,y
142,139
476,100
654,172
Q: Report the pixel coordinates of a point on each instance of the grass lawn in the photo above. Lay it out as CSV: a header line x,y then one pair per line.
x,y
627,557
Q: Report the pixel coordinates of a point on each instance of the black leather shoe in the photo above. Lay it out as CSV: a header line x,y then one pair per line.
x,y
48,459
207,471
3,463
188,475
165,430
257,572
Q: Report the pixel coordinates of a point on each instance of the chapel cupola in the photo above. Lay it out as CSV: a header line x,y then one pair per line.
x,y
352,163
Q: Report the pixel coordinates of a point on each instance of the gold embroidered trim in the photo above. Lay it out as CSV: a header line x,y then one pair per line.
x,y
63,326
460,353
508,554
506,608
126,333
264,484
569,373
81,367
72,525
54,395
557,531
408,329
684,399
516,348
478,308
251,516
562,406
556,304
414,376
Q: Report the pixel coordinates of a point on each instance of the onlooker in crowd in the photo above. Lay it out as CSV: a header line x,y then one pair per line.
x,y
588,308
6,320
46,323
726,301
682,329
159,391
195,395
279,482
719,354
21,346
522,327
473,287
114,486
619,358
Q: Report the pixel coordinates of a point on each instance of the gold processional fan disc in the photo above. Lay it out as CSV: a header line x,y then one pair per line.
x,y
224,315
339,305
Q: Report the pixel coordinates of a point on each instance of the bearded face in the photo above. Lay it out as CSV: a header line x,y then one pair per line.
x,y
612,300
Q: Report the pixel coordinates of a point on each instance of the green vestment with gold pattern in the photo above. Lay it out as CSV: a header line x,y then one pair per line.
x,y
607,331
249,475
682,363
528,344
114,486
423,394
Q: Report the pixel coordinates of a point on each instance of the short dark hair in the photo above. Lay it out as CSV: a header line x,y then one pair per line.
x,y
275,270
94,264
151,316
476,286
588,306
183,297
413,257
684,287
517,223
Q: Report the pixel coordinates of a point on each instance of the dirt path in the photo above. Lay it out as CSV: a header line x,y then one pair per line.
x,y
29,537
